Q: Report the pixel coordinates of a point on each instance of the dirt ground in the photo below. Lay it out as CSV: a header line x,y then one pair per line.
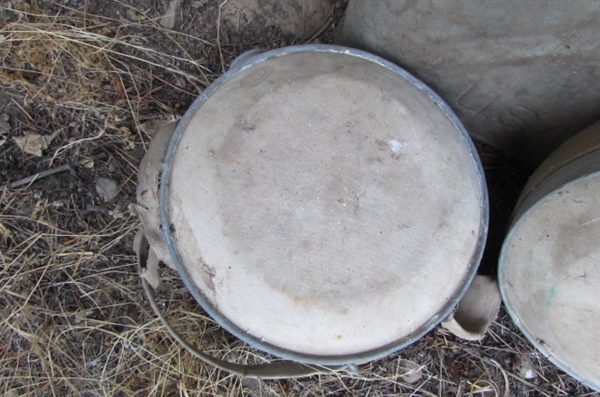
x,y
81,81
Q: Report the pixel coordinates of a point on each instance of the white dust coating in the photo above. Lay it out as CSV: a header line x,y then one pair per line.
x,y
395,145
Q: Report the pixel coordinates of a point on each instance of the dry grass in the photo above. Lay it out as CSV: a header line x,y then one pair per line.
x,y
73,318
84,65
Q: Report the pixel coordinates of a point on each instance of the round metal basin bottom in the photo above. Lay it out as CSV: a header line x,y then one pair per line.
x,y
323,205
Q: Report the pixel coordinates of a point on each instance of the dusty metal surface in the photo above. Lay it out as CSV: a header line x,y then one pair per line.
x,y
297,214
522,76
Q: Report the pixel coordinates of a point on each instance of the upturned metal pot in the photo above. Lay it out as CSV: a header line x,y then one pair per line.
x,y
320,203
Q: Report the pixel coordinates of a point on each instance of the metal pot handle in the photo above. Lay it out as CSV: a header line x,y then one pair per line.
x,y
476,309
274,370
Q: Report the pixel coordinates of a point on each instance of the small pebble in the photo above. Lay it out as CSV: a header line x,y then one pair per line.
x,y
170,18
198,4
526,369
106,189
413,372
132,15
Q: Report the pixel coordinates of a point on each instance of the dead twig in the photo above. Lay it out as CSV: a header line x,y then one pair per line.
x,y
21,109
35,177
221,5
49,172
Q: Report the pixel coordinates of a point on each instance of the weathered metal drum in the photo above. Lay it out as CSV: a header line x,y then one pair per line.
x,y
549,271
320,203
521,75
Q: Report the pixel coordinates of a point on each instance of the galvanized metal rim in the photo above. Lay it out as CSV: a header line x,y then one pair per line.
x,y
163,200
575,169
508,304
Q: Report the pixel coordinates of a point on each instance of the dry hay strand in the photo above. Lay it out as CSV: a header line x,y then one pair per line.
x,y
79,76
73,317
60,294
73,320
86,61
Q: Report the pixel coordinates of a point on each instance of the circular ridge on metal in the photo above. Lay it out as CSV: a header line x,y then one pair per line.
x,y
240,333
